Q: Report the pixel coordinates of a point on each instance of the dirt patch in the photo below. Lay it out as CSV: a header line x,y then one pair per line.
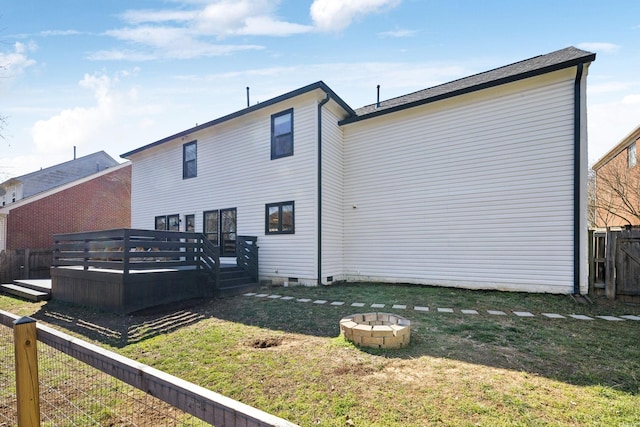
x,y
356,369
265,342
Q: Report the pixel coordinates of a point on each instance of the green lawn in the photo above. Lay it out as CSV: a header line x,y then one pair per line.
x,y
286,357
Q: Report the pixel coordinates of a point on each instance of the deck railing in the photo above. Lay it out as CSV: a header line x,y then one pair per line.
x,y
247,255
130,250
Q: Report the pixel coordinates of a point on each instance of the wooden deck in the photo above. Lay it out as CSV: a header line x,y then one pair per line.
x,y
128,270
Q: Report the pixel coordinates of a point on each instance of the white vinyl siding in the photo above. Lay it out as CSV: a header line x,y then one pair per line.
x,y
235,170
476,191
332,195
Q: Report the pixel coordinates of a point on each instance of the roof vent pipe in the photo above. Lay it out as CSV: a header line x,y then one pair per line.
x,y
248,96
378,99
74,152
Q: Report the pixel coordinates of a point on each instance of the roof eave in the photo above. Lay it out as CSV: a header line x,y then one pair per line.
x,y
309,88
486,85
622,145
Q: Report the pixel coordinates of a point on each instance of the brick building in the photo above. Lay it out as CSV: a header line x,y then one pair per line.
x,y
96,202
617,181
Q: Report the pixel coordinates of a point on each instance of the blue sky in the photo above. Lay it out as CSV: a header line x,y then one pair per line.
x,y
114,75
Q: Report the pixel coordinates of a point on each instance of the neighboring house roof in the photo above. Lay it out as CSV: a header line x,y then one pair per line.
x,y
622,145
542,64
558,60
53,176
309,88
26,200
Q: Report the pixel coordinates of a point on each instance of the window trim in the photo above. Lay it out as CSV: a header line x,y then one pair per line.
x,y
155,222
167,224
280,205
273,134
186,163
207,232
190,222
632,158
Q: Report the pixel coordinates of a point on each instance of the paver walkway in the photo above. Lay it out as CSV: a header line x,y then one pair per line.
x,y
377,306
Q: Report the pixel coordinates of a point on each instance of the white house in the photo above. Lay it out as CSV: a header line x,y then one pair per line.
x,y
477,183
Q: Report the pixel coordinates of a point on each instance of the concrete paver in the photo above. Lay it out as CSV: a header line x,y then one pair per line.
x,y
496,312
580,317
611,318
553,315
523,314
620,318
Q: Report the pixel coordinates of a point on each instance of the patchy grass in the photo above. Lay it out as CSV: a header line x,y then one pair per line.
x,y
287,358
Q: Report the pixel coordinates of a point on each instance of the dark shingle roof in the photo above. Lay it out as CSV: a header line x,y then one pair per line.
x,y
309,88
542,64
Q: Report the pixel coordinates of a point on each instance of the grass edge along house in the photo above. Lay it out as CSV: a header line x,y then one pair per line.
x,y
476,183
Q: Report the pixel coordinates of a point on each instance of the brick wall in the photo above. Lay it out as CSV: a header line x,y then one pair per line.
x,y
98,204
618,192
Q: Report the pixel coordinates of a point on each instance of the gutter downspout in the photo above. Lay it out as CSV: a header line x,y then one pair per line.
x,y
319,189
577,174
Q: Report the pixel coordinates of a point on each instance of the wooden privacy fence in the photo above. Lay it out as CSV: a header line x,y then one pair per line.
x,y
615,263
25,264
203,404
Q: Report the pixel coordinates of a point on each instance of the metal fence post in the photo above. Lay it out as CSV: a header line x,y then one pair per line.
x,y
27,385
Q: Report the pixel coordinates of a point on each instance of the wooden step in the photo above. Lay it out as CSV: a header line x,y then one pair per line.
x,y
42,285
231,291
25,293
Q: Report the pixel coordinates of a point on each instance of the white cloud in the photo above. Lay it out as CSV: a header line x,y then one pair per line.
x,y
91,127
165,42
266,26
50,33
336,15
73,127
608,87
611,121
16,62
139,16
245,17
398,33
185,33
632,100
599,47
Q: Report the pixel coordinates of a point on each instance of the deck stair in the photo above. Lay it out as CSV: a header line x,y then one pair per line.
x,y
234,281
31,289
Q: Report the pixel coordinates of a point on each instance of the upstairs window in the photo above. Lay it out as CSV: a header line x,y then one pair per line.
x,y
189,160
631,153
280,218
282,134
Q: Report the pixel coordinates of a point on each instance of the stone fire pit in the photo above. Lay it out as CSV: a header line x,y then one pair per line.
x,y
377,330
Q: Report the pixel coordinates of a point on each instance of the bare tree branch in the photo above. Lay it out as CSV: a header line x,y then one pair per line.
x,y
616,198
